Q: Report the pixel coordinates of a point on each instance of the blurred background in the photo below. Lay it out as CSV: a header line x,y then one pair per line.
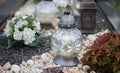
x,y
116,4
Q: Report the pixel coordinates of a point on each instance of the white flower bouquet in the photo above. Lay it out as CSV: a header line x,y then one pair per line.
x,y
23,28
61,4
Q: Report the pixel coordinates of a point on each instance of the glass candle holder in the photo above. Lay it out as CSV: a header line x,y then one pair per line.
x,y
66,41
46,11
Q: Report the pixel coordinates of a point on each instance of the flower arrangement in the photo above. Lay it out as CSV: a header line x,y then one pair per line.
x,y
61,4
104,54
23,28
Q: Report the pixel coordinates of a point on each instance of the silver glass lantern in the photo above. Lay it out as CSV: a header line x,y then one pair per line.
x,y
66,41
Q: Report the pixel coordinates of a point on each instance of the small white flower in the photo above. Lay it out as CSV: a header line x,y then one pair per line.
x,y
17,35
24,16
28,35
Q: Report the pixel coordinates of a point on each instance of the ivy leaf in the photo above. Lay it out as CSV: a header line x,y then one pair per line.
x,y
11,42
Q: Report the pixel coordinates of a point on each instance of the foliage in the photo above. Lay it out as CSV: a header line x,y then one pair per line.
x,y
104,54
23,28
115,3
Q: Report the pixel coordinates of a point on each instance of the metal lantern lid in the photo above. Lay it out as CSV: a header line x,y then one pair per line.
x,y
67,21
88,4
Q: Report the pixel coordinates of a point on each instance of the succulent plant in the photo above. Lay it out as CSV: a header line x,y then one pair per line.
x,y
104,54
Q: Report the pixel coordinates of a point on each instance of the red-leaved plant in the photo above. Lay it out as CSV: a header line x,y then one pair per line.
x,y
104,54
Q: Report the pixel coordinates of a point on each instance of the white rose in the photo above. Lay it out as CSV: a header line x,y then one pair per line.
x,y
28,35
7,29
17,35
37,26
20,23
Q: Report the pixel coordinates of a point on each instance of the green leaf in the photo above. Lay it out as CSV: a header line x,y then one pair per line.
x,y
11,42
35,43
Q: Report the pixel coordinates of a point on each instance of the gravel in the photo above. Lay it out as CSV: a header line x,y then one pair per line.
x,y
19,53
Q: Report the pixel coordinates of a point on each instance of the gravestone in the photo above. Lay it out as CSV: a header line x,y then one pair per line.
x,y
8,8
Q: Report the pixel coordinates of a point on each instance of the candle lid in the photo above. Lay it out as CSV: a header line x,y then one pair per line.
x,y
67,21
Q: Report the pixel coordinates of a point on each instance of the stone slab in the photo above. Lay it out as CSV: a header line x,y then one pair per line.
x,y
8,7
111,14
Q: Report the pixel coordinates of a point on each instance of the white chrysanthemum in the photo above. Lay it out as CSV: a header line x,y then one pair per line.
x,y
7,29
28,35
37,26
20,23
17,35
